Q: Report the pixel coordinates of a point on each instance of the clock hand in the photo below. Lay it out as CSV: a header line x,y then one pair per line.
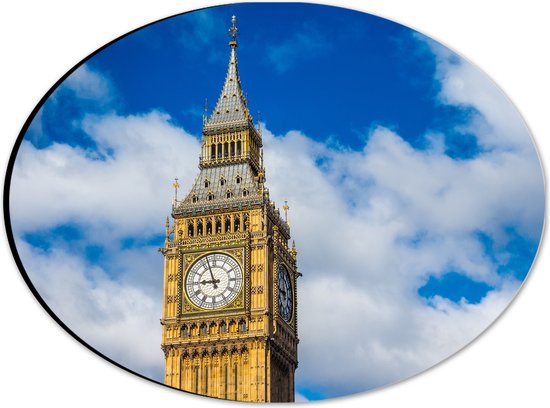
x,y
211,274
204,282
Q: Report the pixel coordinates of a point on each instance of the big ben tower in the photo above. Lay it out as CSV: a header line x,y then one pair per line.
x,y
229,318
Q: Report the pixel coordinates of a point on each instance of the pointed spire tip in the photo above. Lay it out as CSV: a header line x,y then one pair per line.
x,y
233,31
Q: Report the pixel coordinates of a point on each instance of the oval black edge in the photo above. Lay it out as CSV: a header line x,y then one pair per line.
x,y
6,195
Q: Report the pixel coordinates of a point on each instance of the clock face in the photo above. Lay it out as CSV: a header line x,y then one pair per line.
x,y
213,281
285,294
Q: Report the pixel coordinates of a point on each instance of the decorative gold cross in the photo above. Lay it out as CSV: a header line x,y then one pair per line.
x,y
233,30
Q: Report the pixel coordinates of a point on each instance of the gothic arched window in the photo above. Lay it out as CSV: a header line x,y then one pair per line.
x,y
242,326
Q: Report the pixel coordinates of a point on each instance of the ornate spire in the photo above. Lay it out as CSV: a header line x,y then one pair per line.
x,y
231,106
228,134
294,253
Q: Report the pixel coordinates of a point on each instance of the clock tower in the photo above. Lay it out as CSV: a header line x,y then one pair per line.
x,y
229,315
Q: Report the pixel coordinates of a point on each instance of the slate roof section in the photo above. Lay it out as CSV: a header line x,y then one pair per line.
x,y
231,106
208,185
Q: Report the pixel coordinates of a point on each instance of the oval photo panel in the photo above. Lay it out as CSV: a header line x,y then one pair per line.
x,y
381,212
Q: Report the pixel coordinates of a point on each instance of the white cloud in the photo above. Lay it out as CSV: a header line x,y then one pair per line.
x,y
499,124
88,84
370,339
374,329
121,190
119,320
372,226
126,192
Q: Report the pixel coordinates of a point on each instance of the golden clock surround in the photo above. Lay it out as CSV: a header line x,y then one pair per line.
x,y
187,307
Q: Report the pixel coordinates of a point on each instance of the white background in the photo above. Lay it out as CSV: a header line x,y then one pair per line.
x,y
41,363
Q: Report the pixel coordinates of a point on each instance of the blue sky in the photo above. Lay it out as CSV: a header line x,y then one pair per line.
x,y
425,170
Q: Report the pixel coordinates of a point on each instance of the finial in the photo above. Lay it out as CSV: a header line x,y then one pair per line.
x,y
167,229
261,172
261,158
286,208
205,114
233,31
176,185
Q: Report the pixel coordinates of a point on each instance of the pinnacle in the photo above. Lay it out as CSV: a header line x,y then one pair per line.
x,y
231,106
